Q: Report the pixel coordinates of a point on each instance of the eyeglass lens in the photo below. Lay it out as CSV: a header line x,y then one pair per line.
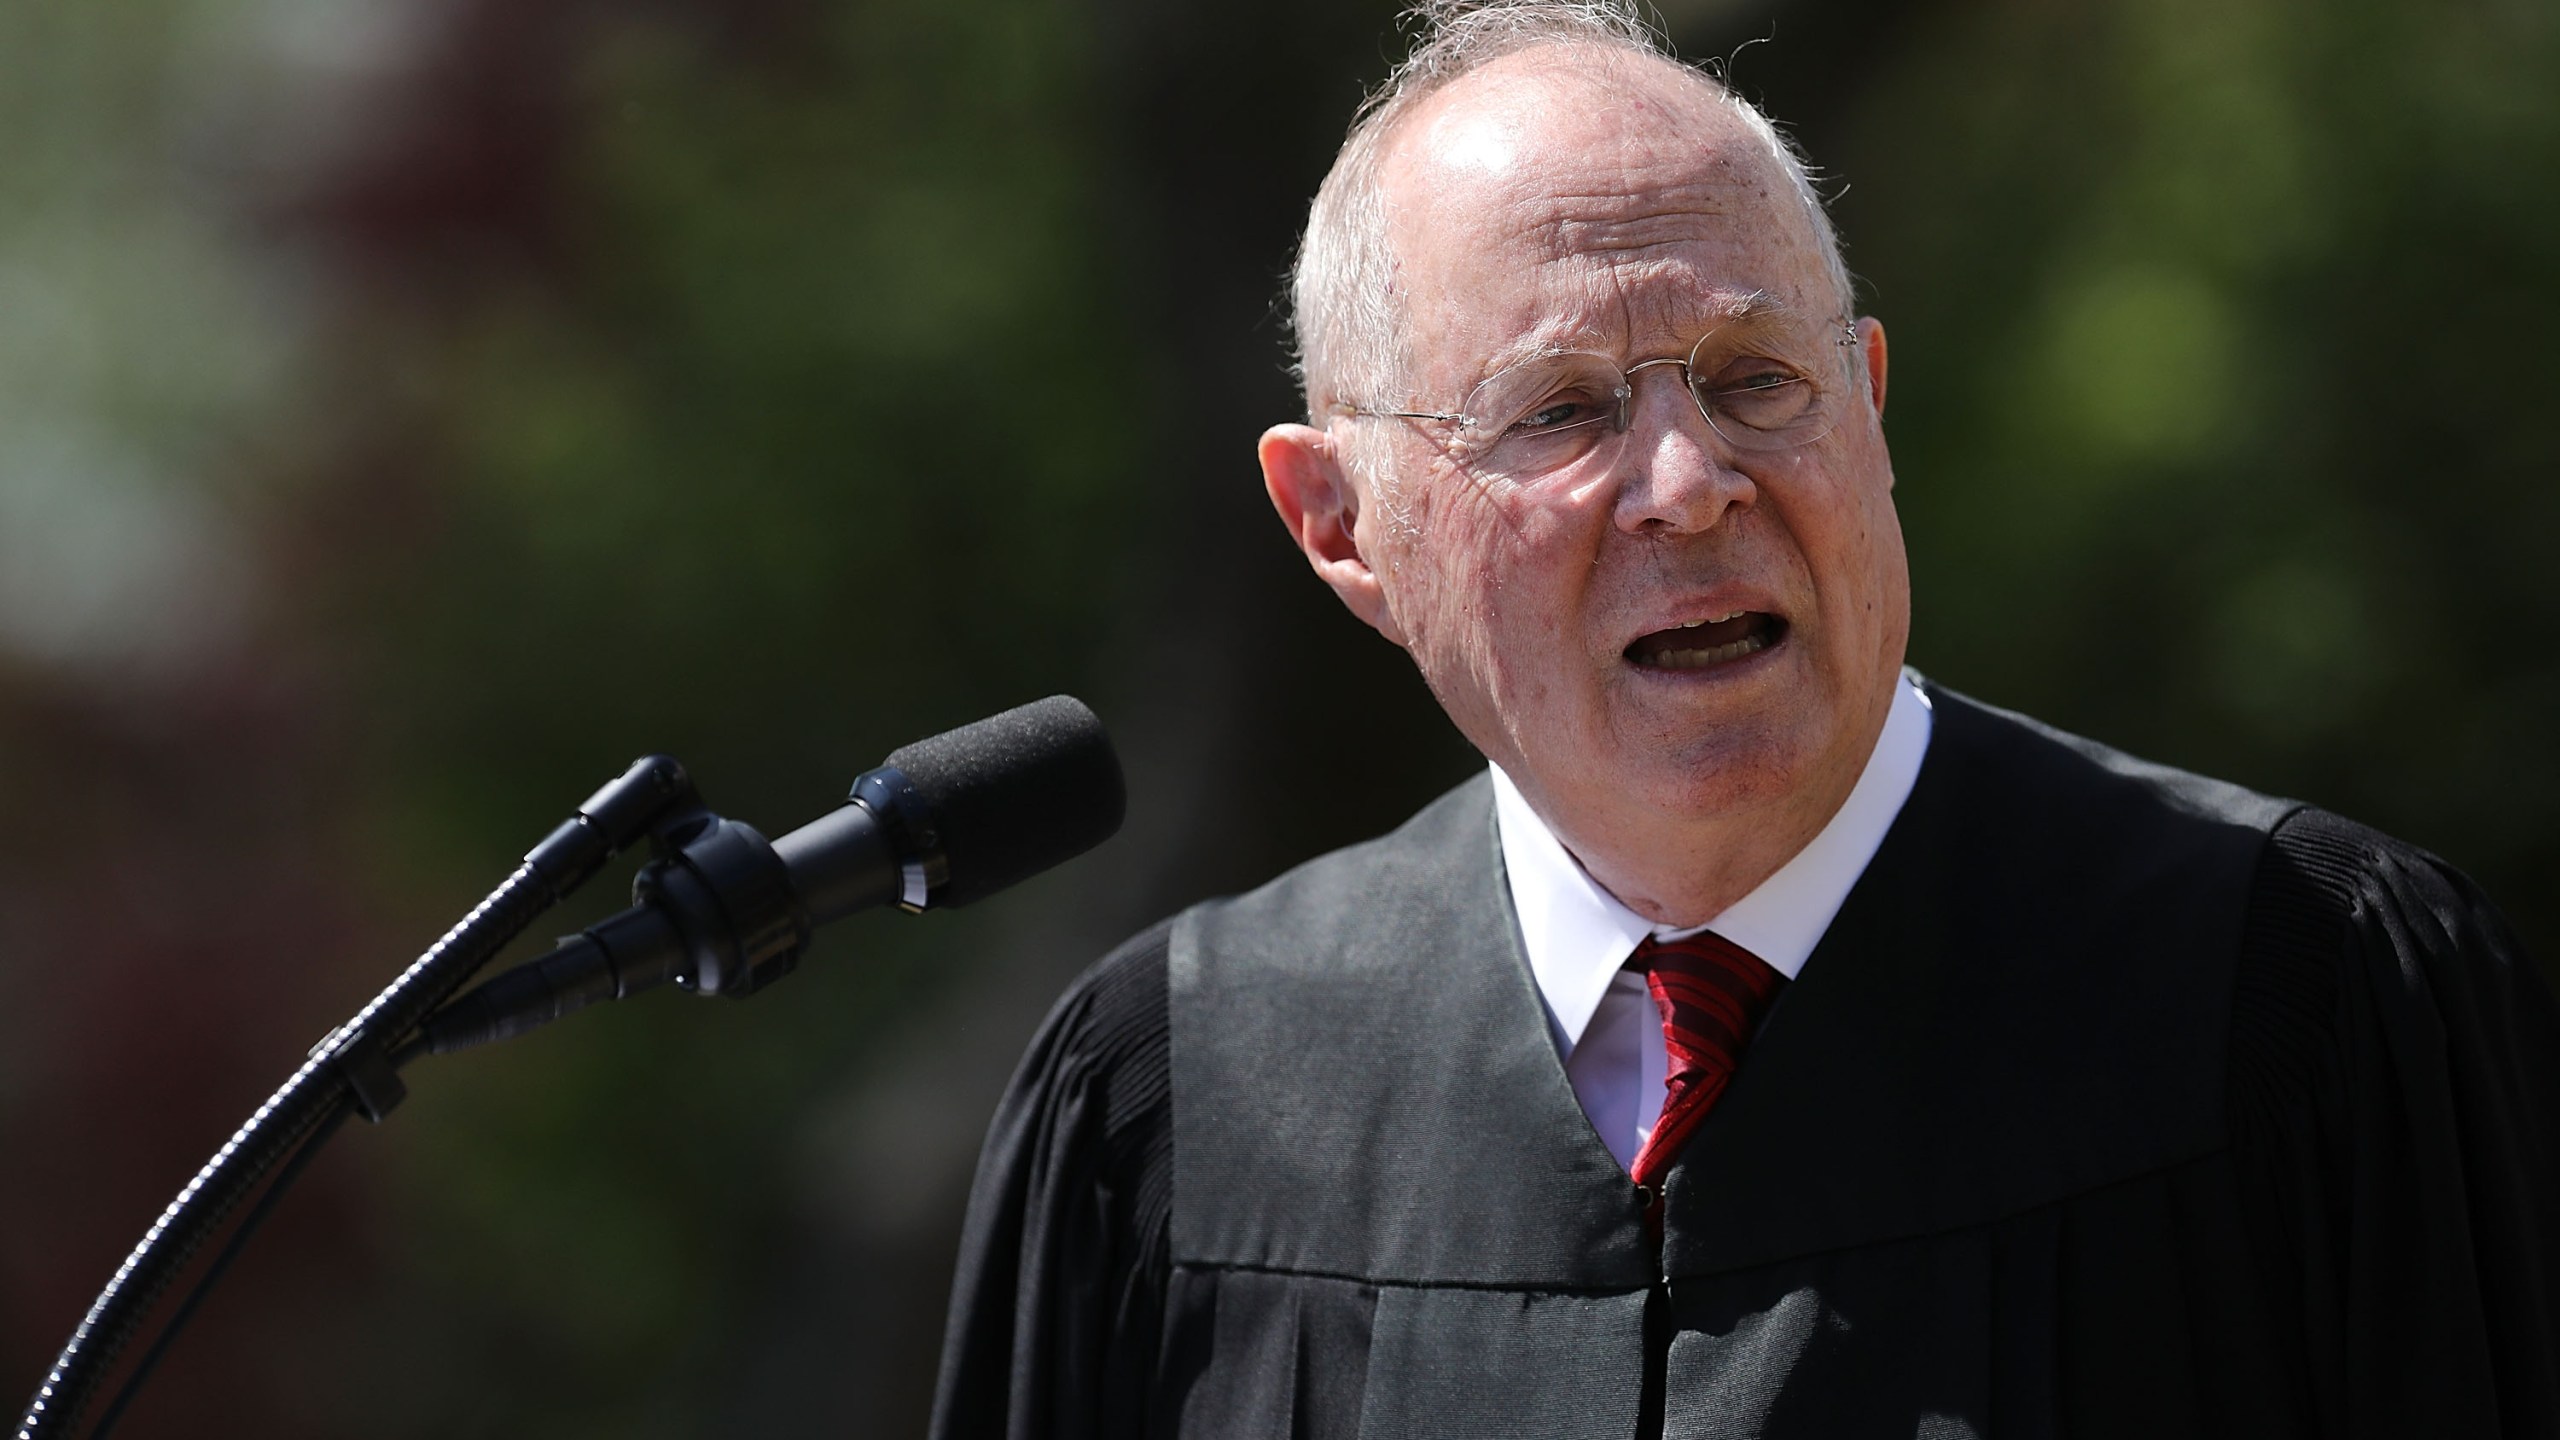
x,y
1760,389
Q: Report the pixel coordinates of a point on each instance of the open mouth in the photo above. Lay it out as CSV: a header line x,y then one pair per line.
x,y
1702,644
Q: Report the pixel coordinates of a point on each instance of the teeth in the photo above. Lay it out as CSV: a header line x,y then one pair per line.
x,y
1710,620
1700,659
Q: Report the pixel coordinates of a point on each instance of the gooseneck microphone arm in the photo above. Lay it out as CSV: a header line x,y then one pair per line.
x,y
350,1062
719,911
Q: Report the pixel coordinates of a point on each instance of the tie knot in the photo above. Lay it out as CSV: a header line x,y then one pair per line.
x,y
1712,992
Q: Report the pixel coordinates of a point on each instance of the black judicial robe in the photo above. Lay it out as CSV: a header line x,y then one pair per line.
x,y
2115,1101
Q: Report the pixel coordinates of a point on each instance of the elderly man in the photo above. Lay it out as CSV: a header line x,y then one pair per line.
x,y
1772,1043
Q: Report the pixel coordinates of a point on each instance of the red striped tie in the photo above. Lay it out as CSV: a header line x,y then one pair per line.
x,y
1711,993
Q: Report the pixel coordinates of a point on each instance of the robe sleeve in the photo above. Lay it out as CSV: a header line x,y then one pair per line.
x,y
2395,1122
1058,1297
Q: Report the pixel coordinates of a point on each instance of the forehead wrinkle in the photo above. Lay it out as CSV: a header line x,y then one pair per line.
x,y
1575,228
1594,319
1630,307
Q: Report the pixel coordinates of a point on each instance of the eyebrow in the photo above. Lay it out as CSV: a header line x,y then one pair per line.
x,y
1755,308
1754,304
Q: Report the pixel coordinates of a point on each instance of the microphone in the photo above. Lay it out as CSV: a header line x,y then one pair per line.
x,y
969,812
945,822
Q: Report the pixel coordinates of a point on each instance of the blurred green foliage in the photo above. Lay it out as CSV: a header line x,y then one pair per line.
x,y
2216,415
825,403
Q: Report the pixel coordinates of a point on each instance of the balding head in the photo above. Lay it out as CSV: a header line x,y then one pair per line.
x,y
1557,155
1482,80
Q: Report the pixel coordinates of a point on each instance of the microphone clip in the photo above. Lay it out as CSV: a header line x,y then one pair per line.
x,y
730,897
907,818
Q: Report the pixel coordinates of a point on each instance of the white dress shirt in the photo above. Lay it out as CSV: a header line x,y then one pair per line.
x,y
1579,935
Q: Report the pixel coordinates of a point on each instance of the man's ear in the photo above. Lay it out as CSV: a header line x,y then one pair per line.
x,y
1302,472
1871,358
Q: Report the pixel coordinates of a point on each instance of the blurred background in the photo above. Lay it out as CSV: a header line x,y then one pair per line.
x,y
411,410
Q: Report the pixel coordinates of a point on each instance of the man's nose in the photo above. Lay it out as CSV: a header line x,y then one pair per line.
x,y
1676,474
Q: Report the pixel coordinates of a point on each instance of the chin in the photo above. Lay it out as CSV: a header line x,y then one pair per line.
x,y
1728,770
1701,790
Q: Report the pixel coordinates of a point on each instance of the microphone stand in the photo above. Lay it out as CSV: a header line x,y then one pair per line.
x,y
354,1067
720,911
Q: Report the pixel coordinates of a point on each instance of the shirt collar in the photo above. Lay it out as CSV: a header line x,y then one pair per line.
x,y
1578,935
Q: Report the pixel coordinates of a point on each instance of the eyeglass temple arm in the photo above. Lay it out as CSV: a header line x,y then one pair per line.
x,y
1377,414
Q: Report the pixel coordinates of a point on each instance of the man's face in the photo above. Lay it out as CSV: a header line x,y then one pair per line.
x,y
1593,203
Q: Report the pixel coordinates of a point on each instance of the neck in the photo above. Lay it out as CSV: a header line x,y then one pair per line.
x,y
1688,875
1684,868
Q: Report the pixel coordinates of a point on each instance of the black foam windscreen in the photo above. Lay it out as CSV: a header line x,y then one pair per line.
x,y
1016,793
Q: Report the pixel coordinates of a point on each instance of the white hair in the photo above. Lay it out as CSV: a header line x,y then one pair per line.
x,y
1345,314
